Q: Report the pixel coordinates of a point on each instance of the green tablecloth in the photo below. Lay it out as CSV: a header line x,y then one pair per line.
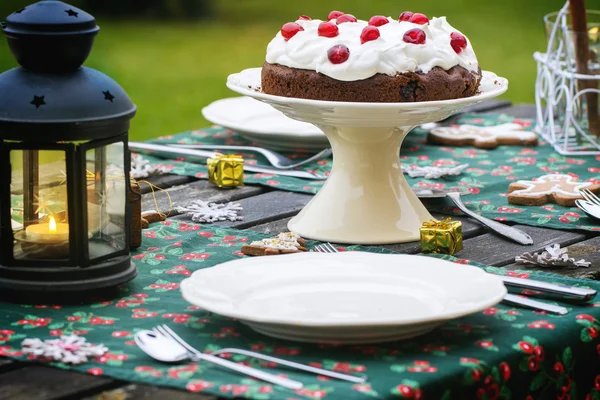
x,y
487,178
502,352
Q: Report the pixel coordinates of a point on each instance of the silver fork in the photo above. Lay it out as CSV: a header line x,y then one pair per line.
x,y
590,196
164,329
510,281
277,160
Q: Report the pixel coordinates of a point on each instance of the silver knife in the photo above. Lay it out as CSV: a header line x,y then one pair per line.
x,y
163,151
545,289
534,304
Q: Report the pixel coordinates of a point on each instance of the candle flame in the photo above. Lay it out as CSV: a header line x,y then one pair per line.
x,y
52,224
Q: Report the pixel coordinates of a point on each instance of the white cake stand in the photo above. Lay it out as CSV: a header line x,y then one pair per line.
x,y
366,199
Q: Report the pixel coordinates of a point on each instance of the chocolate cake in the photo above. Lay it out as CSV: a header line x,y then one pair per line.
x,y
382,60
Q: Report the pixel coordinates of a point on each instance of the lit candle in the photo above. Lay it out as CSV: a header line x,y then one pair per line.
x,y
51,232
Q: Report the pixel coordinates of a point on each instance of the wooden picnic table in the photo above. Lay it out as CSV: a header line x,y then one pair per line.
x,y
268,210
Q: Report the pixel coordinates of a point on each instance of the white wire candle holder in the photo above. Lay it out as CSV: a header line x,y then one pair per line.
x,y
559,103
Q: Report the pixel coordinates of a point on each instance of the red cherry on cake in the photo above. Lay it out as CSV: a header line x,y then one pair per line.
x,y
334,15
415,36
328,29
304,18
346,18
378,20
458,42
420,19
290,29
338,54
368,34
405,16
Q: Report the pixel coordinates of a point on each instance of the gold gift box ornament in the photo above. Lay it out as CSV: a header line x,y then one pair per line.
x,y
441,236
226,171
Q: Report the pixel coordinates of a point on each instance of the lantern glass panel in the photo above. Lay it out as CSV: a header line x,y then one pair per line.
x,y
40,210
107,199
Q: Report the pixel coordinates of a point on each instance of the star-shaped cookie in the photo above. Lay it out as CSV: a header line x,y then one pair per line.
x,y
557,188
484,137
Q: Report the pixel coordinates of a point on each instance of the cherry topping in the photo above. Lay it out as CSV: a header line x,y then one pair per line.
x,y
338,54
346,18
304,18
458,42
369,33
405,16
420,19
328,29
334,15
378,20
290,29
414,36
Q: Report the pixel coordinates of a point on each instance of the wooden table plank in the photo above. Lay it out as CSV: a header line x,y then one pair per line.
x,y
588,250
147,392
264,208
199,190
491,249
42,383
166,181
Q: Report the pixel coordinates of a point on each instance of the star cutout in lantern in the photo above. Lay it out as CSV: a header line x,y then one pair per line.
x,y
38,101
43,206
108,96
72,13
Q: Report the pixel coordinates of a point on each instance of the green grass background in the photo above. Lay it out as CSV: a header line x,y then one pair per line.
x,y
173,69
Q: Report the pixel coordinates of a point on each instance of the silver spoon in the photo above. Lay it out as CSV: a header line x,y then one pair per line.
x,y
277,160
510,232
166,349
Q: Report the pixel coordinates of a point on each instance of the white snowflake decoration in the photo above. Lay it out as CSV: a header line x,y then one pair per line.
x,y
433,172
204,211
71,349
553,256
141,168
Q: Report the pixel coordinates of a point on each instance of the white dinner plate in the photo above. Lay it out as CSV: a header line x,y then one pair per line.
x,y
264,125
353,297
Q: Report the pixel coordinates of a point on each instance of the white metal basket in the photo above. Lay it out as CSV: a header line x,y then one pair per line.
x,y
559,103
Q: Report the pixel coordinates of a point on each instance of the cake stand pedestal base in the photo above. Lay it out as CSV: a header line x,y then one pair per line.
x,y
366,199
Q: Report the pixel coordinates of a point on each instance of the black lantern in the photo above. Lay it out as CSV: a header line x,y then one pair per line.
x,y
64,161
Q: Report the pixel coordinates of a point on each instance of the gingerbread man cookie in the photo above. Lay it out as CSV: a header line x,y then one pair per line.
x,y
558,188
484,137
284,243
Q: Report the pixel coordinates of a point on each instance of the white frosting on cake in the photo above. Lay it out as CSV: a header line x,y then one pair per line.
x,y
389,54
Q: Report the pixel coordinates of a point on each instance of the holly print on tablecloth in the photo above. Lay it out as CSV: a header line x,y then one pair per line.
x,y
489,383
471,357
486,180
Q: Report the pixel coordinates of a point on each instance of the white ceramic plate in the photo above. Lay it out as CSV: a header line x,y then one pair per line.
x,y
352,297
264,125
